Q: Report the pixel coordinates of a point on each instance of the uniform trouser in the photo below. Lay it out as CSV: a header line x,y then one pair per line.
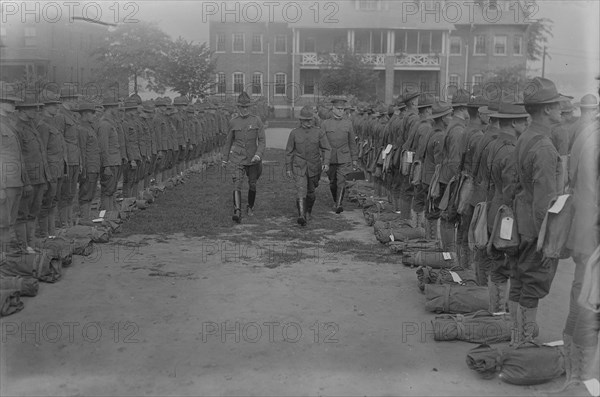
x,y
87,187
67,187
531,280
108,183
31,205
574,308
462,237
129,178
586,328
50,199
420,197
306,186
337,175
501,268
9,209
483,265
240,171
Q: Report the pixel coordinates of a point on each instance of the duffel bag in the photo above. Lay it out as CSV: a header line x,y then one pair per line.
x,y
531,364
505,236
384,235
10,302
96,234
400,247
478,229
433,259
478,327
27,286
59,248
41,266
456,299
483,359
554,232
427,275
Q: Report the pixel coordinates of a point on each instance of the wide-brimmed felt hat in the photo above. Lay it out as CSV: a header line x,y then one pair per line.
x,y
484,110
243,100
477,102
539,91
30,100
510,111
494,106
338,101
410,93
461,98
50,98
588,101
426,100
129,104
440,109
69,92
180,101
306,113
85,106
566,107
8,93
108,101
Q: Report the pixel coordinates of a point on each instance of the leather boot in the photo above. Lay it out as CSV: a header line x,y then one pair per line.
x,y
413,218
21,234
70,218
405,205
338,205
333,191
237,206
105,203
529,323
579,363
310,202
396,204
62,217
447,234
52,222
31,226
516,334
421,222
8,240
301,206
84,212
42,230
497,297
251,200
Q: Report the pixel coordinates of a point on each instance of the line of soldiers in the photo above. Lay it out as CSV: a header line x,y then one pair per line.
x,y
519,155
56,147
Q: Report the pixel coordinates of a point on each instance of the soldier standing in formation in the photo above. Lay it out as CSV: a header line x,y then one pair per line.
x,y
244,147
305,147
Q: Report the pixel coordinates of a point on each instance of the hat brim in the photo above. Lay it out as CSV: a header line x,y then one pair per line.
x,y
11,98
304,118
498,115
455,105
424,105
85,110
438,115
584,106
28,105
559,98
411,96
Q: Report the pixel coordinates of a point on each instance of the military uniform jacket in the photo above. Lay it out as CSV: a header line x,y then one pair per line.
x,y
130,127
479,169
14,171
453,149
245,139
145,136
54,143
71,138
340,135
90,147
34,152
433,151
539,176
560,139
410,118
583,175
472,137
304,149
119,125
503,174
108,140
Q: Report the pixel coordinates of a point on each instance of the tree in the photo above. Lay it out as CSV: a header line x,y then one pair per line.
x,y
347,74
504,83
133,50
538,34
189,69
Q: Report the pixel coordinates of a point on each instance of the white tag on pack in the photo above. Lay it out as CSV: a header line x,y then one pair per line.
x,y
559,204
506,227
455,277
102,213
392,237
409,156
446,256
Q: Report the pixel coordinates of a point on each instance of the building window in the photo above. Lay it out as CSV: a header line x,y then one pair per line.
x,y
308,88
500,45
257,43
480,46
220,46
453,80
280,81
3,35
221,83
30,36
257,84
281,43
455,46
238,83
424,42
238,42
310,45
368,5
517,45
477,81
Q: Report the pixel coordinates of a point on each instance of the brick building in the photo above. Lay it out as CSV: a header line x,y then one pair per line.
x,y
432,44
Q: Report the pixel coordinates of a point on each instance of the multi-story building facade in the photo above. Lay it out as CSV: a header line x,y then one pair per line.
x,y
432,44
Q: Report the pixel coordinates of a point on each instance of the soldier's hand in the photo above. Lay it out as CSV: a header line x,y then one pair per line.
x,y
107,171
224,163
325,168
255,159
289,174
354,164
27,190
133,164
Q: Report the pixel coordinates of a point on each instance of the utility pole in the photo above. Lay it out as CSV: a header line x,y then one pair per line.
x,y
544,63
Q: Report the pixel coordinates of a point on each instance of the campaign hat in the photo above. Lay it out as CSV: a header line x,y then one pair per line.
x,y
539,91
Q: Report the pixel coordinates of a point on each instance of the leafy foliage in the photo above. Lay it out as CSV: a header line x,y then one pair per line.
x,y
538,34
347,74
189,69
504,83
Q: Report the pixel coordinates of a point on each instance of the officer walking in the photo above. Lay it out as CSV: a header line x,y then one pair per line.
x,y
244,147
344,155
90,159
303,161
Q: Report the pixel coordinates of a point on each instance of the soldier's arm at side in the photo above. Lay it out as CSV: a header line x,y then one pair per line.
x,y
544,181
325,147
352,143
228,140
261,139
289,151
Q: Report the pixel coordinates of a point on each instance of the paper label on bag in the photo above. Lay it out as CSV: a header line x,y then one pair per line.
x,y
506,228
559,204
392,237
555,343
102,213
388,148
593,386
455,277
446,256
409,157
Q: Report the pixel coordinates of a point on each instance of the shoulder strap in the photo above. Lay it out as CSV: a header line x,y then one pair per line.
x,y
433,131
478,162
489,175
529,146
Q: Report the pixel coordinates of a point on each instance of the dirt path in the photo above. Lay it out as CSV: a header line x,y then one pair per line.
x,y
195,316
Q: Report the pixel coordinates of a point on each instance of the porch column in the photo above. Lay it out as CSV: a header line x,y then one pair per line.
x,y
351,39
391,40
389,79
